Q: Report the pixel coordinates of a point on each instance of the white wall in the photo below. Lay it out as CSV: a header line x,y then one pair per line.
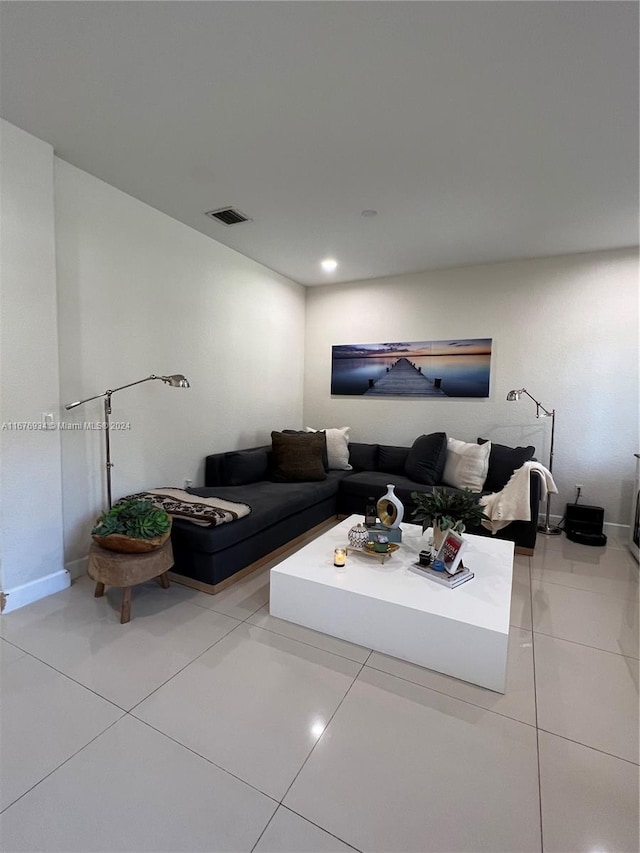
x,y
30,480
139,293
565,328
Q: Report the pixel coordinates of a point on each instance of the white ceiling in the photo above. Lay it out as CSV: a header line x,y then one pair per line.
x,y
479,131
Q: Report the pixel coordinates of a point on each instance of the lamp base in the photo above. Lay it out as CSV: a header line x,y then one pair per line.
x,y
549,529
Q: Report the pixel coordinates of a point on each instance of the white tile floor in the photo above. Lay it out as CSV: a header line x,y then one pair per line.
x,y
207,725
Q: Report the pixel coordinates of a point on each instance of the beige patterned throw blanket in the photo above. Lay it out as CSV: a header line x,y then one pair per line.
x,y
207,512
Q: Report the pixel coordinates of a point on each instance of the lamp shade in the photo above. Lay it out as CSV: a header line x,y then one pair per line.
x,y
176,380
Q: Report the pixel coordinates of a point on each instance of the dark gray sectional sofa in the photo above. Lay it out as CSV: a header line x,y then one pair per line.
x,y
281,511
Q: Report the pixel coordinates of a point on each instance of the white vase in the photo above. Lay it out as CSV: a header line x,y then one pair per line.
x,y
438,536
439,533
390,508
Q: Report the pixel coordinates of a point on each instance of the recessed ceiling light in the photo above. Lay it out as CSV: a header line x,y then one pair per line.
x,y
329,264
369,212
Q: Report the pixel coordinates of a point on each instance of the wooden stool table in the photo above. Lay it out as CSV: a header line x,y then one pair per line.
x,y
111,568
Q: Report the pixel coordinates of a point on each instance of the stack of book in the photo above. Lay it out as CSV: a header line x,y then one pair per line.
x,y
461,576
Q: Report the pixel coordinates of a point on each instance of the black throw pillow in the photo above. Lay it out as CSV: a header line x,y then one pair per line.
x,y
426,460
503,461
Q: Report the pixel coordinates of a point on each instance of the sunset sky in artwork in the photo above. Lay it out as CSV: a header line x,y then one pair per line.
x,y
415,349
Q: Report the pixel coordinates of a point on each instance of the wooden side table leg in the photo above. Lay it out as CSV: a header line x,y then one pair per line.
x,y
164,580
125,610
99,590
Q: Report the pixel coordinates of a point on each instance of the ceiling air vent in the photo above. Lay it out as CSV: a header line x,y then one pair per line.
x,y
228,216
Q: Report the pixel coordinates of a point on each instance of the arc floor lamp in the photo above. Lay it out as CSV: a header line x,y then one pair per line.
x,y
513,396
177,380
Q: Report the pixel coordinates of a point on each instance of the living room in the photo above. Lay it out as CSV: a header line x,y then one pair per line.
x,y
101,286
123,290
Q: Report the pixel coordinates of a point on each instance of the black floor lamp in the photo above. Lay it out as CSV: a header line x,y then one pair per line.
x,y
513,396
177,380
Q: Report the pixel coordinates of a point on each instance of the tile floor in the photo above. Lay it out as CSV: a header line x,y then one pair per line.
x,y
207,725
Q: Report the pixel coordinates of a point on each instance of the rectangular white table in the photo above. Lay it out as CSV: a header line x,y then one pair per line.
x,y
463,632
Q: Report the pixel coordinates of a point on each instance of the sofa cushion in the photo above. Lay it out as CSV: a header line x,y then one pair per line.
x,y
391,459
337,447
503,461
467,464
426,460
245,466
325,456
297,458
271,503
363,457
366,484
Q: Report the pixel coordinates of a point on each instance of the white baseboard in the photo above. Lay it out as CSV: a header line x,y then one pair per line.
x,y
27,593
614,527
77,568
611,526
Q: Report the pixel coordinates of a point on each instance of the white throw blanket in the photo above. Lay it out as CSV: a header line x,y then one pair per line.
x,y
207,512
512,503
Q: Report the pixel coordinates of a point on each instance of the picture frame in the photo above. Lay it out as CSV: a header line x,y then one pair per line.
x,y
459,367
451,550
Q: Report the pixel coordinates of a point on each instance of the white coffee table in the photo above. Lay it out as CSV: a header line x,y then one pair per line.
x,y
462,632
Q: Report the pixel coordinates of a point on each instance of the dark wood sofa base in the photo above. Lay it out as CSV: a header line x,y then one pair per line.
x,y
524,552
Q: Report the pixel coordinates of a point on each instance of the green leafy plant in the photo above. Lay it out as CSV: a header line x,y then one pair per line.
x,y
448,510
138,519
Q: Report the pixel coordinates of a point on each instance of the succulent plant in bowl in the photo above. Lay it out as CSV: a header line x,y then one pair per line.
x,y
132,526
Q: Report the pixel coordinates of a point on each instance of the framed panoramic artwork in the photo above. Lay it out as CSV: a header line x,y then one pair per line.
x,y
455,368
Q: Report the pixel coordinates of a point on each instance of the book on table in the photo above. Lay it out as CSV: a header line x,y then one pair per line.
x,y
444,578
450,551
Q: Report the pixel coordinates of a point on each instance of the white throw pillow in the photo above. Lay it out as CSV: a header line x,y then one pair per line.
x,y
337,447
467,464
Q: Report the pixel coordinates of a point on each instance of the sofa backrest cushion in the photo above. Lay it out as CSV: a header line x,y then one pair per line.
x,y
298,458
426,459
391,459
242,467
363,457
503,461
467,464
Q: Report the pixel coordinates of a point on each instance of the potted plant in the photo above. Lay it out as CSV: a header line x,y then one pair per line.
x,y
132,526
447,511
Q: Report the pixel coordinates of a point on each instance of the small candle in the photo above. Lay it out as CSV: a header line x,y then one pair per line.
x,y
339,557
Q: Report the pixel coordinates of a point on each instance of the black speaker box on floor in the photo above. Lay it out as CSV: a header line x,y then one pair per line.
x,y
584,524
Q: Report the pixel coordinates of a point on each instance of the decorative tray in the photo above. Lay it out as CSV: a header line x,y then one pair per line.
x,y
369,550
